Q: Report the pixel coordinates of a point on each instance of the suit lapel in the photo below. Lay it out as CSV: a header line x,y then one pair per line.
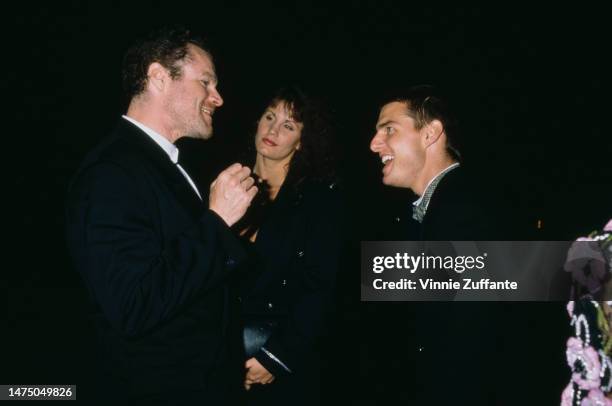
x,y
170,173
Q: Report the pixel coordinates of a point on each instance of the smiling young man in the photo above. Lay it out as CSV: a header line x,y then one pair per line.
x,y
414,140
446,347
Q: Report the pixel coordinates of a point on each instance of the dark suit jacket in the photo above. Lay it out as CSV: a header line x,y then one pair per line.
x,y
290,280
472,353
439,352
155,261
457,211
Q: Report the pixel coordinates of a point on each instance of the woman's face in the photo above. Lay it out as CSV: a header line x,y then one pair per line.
x,y
278,135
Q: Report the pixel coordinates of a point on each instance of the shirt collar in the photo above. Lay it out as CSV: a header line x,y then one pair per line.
x,y
432,184
169,148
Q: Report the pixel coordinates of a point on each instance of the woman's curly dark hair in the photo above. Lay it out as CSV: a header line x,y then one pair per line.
x,y
315,157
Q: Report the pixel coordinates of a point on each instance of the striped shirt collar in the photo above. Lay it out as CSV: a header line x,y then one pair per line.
x,y
420,205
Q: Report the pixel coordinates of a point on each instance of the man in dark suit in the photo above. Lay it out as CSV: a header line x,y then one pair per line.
x,y
153,250
446,347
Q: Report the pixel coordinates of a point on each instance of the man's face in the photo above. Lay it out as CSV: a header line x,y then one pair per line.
x,y
192,98
399,145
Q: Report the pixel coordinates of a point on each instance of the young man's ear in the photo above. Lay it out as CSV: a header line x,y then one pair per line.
x,y
433,131
157,76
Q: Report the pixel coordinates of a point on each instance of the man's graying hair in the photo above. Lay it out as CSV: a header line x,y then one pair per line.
x,y
424,104
167,46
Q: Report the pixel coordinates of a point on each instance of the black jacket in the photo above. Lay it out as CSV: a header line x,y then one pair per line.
x,y
155,261
459,210
441,352
290,280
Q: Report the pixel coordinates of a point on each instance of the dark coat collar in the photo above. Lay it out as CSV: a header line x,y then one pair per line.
x,y
171,174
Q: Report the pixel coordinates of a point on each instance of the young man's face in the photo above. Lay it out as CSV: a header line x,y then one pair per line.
x,y
400,146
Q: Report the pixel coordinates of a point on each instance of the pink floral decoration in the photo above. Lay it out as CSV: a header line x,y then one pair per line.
x,y
567,395
596,398
588,378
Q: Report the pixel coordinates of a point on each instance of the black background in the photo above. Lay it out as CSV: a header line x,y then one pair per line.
x,y
527,84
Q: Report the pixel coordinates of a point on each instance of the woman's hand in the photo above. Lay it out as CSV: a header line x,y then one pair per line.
x,y
256,373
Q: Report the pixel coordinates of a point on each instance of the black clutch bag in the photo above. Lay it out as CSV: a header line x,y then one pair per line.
x,y
255,335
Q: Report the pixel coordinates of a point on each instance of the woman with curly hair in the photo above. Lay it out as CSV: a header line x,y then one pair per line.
x,y
292,233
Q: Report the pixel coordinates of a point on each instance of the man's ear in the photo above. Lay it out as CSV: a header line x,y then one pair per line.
x,y
157,76
433,131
